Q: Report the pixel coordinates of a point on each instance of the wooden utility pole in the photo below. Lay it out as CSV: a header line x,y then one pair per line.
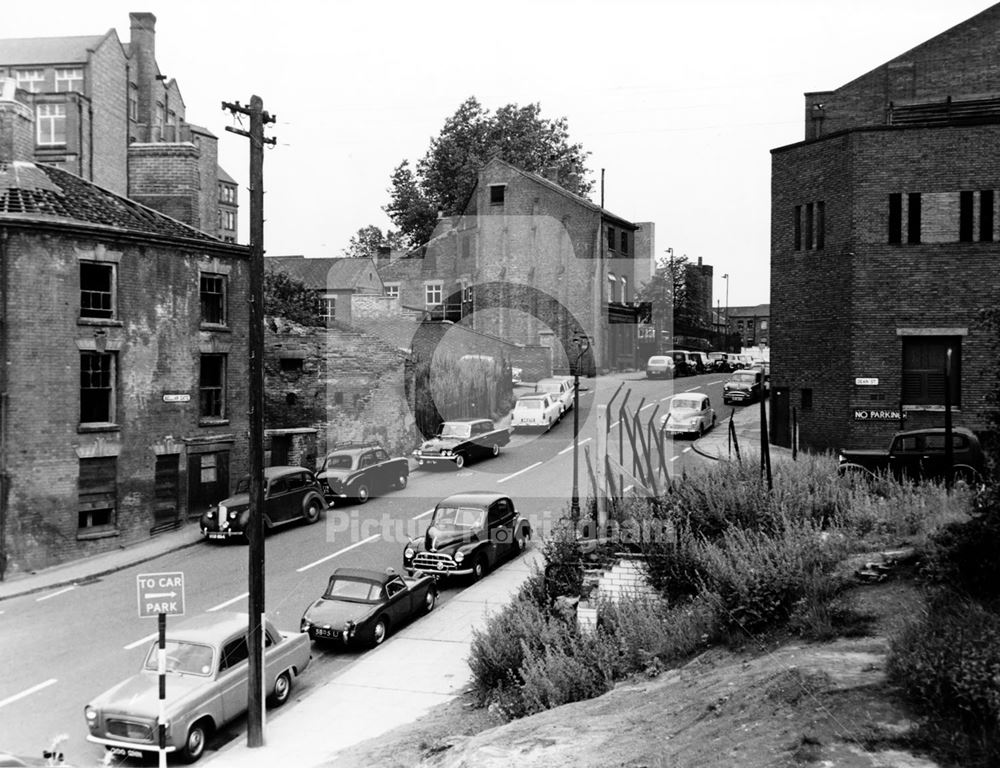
x,y
255,530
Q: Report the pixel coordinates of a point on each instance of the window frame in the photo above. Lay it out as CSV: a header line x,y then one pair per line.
x,y
49,122
222,298
433,288
102,314
108,367
212,395
27,79
97,498
391,290
498,194
62,79
920,384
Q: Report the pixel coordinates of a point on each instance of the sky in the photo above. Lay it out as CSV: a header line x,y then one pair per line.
x,y
679,101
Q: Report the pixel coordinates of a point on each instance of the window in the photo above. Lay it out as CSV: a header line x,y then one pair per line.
x,y
797,229
623,241
159,118
913,220
230,220
820,225
97,290
807,399
97,493
967,216
392,290
51,119
69,80
290,364
763,325
97,387
497,193
31,80
986,216
212,387
809,227
328,307
213,298
432,294
895,218
234,653
924,377
611,238
133,102
966,200
624,294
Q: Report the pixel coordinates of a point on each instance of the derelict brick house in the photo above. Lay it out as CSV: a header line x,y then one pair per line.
x,y
884,246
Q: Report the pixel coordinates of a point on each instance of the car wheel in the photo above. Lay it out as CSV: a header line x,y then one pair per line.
x,y
713,421
548,425
496,450
361,494
479,568
431,600
401,481
282,689
313,509
701,429
459,461
194,744
522,543
380,630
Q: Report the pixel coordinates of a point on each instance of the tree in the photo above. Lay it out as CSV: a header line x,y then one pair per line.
x,y
446,175
289,298
366,241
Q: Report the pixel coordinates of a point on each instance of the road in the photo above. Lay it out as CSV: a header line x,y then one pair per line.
x,y
66,645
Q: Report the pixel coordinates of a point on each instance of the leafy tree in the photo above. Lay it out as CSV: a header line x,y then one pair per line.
x,y
366,241
446,175
284,296
668,292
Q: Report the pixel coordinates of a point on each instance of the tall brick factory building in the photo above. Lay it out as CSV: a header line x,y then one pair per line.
x,y
123,339
884,247
102,109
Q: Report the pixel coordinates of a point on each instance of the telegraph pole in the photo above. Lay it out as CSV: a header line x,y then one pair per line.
x,y
255,530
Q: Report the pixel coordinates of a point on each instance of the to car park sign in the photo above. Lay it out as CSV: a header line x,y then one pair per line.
x,y
160,593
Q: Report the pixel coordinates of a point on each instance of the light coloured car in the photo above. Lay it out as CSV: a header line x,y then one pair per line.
x,y
540,411
689,414
660,367
561,389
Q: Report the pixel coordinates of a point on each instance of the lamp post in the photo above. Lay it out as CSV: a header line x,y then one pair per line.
x,y
726,278
582,343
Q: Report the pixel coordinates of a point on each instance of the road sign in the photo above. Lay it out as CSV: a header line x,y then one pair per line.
x,y
866,381
877,414
160,593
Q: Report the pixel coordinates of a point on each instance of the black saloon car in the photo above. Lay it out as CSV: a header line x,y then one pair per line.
x,y
290,493
461,440
362,605
356,471
469,534
918,454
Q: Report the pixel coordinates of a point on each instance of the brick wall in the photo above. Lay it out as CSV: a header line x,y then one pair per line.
x,y
158,339
208,183
105,150
17,138
167,177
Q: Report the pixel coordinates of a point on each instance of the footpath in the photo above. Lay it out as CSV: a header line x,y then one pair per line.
x,y
718,444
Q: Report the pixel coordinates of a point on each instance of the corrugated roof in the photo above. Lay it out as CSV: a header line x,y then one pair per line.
x,y
45,193
28,51
320,274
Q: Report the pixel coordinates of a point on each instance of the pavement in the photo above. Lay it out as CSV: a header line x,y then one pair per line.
x,y
719,445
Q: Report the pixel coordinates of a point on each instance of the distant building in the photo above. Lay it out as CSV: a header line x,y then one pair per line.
x,y
884,233
101,109
752,324
335,281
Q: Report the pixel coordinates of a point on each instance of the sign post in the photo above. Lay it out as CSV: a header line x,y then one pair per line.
x,y
161,595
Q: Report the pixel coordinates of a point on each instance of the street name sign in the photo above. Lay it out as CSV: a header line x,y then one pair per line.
x,y
866,381
160,593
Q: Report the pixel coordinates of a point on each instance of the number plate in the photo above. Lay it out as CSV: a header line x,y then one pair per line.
x,y
122,752
216,535
330,634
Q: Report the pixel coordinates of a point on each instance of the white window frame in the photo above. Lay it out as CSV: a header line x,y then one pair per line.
x,y
624,294
46,117
69,79
391,290
28,79
432,289
328,307
230,220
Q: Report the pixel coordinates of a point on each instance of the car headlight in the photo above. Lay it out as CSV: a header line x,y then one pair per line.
x,y
210,514
446,452
408,553
90,713
304,625
459,557
233,514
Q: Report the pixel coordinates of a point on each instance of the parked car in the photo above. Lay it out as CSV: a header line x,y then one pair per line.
x,y
918,454
560,387
515,375
469,534
746,386
357,470
290,494
686,363
362,605
660,367
540,411
462,440
736,361
719,361
206,686
688,414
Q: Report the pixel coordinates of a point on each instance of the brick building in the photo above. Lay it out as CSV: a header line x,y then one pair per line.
x,y
102,110
884,246
335,281
750,324
533,263
124,341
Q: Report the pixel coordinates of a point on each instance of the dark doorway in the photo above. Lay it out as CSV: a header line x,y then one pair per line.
x,y
208,480
166,493
780,430
280,447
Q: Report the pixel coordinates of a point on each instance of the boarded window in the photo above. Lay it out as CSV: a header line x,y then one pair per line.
x,y
97,492
924,377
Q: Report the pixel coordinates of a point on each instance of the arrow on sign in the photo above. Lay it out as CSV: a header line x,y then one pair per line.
x,y
161,594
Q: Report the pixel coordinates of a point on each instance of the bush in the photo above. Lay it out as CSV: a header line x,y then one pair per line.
x,y
582,667
966,555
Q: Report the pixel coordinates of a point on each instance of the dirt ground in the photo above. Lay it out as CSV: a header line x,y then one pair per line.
x,y
791,704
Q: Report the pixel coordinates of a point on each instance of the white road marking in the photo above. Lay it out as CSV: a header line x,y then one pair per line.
x,y
693,389
338,552
627,488
674,458
665,398
27,692
647,406
713,383
422,514
141,641
615,424
570,448
53,594
519,472
685,450
220,606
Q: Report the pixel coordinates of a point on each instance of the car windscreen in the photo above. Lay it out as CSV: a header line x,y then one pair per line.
x,y
685,403
528,405
456,430
657,361
341,588
182,657
243,486
458,517
549,387
338,461
744,378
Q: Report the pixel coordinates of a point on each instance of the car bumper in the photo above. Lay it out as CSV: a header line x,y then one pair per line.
x,y
227,533
422,459
127,747
443,573
671,430
736,396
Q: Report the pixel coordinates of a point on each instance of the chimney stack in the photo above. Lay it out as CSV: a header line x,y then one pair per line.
x,y
142,50
17,125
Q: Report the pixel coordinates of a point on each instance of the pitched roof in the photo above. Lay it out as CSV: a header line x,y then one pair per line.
x,y
220,172
320,274
47,50
44,193
757,310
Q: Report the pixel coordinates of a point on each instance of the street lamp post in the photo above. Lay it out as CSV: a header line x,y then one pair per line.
x,y
726,278
582,343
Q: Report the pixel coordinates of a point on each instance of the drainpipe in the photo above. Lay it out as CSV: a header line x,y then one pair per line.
x,y
4,404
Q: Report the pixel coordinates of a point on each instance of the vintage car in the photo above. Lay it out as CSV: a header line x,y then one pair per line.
x,y
469,534
541,411
918,454
746,386
206,686
719,362
515,375
660,367
291,493
361,605
686,363
355,471
462,440
561,389
688,414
